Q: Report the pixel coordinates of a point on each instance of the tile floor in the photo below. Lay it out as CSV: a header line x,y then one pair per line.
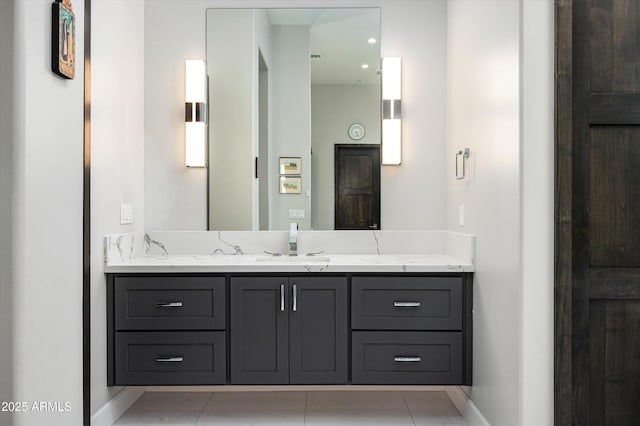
x,y
293,408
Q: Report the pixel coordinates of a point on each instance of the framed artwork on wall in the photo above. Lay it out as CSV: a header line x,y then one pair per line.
x,y
290,185
63,39
290,165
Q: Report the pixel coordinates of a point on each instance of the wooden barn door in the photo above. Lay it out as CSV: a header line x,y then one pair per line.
x,y
597,275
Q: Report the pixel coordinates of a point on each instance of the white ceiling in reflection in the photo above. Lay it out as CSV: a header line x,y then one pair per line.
x,y
340,37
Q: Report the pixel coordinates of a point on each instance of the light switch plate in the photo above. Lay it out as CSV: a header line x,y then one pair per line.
x,y
461,214
126,214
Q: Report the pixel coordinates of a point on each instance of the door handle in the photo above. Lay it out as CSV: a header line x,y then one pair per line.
x,y
295,297
281,297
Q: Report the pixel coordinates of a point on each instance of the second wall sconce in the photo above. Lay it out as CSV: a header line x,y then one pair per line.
x,y
195,113
391,111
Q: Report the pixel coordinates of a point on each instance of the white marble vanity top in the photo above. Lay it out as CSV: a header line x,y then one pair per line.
x,y
256,263
339,251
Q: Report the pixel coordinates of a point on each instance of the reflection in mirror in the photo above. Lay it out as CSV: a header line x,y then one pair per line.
x,y
290,83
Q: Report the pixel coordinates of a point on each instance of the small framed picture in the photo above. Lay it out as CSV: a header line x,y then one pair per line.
x,y
290,165
63,39
290,185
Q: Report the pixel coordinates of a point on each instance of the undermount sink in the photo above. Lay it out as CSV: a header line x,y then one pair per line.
x,y
293,259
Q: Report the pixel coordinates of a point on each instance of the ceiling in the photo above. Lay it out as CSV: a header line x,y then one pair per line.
x,y
340,37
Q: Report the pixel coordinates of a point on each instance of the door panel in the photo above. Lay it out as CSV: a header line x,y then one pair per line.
x,y
614,366
614,196
357,191
319,331
259,331
597,289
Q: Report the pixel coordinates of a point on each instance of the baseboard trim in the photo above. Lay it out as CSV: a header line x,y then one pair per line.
x,y
112,410
471,414
291,388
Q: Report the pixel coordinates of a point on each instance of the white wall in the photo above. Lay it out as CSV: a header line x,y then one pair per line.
x,y
333,109
47,219
117,153
537,245
290,118
483,114
6,191
414,30
175,196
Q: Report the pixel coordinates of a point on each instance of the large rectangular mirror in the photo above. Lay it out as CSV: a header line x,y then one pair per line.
x,y
294,130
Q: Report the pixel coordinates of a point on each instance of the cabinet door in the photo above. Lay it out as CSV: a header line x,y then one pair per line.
x,y
259,330
318,330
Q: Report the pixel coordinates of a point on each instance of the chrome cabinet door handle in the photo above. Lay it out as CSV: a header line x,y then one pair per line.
x,y
407,304
170,359
407,358
295,297
169,305
281,297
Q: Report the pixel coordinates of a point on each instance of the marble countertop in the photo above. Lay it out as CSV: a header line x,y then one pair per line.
x,y
341,263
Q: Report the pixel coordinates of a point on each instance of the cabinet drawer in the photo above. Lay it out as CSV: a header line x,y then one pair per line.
x,y
406,357
406,303
170,358
170,303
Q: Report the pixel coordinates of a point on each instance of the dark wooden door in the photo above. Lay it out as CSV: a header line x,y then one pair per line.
x,y
357,187
318,330
597,293
259,330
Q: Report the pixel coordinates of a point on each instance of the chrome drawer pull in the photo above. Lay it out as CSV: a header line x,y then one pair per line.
x,y
407,359
407,304
170,359
169,305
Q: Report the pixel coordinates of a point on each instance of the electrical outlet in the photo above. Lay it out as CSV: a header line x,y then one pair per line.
x,y
296,214
126,214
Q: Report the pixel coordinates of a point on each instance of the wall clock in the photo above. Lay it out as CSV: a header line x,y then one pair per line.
x,y
356,131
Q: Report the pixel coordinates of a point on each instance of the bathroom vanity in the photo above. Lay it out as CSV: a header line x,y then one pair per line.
x,y
240,319
305,329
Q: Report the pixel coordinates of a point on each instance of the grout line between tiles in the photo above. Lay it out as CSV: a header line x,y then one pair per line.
x,y
408,409
204,407
306,403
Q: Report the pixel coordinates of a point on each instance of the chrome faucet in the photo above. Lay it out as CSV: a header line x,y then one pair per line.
x,y
293,239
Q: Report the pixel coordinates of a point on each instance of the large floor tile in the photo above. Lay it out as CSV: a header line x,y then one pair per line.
x,y
165,408
355,400
254,408
355,416
432,408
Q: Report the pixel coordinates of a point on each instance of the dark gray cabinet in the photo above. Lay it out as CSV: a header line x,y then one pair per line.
x,y
166,330
259,330
411,329
305,329
289,330
170,358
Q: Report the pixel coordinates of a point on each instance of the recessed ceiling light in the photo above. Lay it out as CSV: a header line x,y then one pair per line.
x,y
365,66
372,40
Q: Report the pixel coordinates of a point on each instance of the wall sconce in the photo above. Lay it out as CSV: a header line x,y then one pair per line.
x,y
391,111
195,113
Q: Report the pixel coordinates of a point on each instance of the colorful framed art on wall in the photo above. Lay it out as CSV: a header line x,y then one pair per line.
x,y
63,39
